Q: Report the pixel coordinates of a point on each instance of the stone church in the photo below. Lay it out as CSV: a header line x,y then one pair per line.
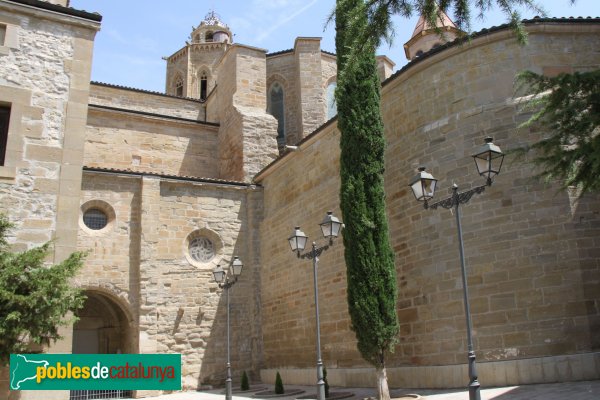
x,y
161,188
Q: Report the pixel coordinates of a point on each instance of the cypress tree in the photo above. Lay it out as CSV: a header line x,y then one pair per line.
x,y
278,384
371,273
245,384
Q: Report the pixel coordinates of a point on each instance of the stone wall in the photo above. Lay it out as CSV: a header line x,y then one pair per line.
x,y
282,68
45,60
137,100
299,196
304,74
123,140
204,57
177,66
311,93
247,138
142,262
531,251
112,264
183,310
529,247
47,88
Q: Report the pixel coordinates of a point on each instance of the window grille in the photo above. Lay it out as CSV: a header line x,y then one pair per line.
x,y
100,394
95,219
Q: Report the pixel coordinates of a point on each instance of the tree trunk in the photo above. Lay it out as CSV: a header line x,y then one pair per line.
x,y
383,391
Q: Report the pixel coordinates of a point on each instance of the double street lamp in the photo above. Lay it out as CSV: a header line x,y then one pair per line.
x,y
330,227
226,279
488,161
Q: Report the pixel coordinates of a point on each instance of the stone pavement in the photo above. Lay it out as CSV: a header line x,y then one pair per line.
x,y
587,390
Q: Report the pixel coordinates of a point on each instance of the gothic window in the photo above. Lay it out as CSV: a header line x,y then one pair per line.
x,y
203,86
331,104
179,87
276,108
4,117
209,37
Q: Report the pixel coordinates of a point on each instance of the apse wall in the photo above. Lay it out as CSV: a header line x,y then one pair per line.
x,y
532,251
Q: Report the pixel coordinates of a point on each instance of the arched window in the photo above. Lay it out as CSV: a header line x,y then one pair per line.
x,y
203,86
208,37
276,109
331,104
179,86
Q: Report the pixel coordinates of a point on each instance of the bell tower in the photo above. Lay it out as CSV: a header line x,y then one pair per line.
x,y
191,71
425,37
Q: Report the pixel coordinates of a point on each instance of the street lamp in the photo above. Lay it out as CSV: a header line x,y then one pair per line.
x,y
330,227
226,279
488,161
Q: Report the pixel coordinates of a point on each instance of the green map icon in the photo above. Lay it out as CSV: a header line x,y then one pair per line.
x,y
23,369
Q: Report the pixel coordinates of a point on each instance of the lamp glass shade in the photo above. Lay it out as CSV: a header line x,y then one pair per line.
x,y
488,160
423,185
219,274
236,266
298,240
330,226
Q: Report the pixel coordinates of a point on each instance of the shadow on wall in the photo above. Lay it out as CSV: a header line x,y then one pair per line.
x,y
586,215
210,317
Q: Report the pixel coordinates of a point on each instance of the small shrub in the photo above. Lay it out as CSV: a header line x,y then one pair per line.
x,y
326,383
278,384
245,384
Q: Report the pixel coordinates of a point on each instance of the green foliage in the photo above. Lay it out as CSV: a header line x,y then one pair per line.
x,y
371,273
279,384
380,26
326,383
34,297
245,384
567,108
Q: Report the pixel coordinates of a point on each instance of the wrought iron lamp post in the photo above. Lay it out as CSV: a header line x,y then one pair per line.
x,y
226,279
488,161
331,228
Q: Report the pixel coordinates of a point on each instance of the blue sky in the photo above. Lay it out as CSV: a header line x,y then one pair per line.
x,y
136,34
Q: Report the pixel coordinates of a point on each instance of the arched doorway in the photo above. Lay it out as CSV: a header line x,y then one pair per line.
x,y
104,327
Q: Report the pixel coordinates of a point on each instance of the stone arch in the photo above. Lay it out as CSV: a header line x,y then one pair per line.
x,y
106,324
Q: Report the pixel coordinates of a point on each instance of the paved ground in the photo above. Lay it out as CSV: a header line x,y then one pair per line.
x,y
589,390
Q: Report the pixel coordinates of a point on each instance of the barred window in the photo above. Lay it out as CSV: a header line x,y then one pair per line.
x,y
95,219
